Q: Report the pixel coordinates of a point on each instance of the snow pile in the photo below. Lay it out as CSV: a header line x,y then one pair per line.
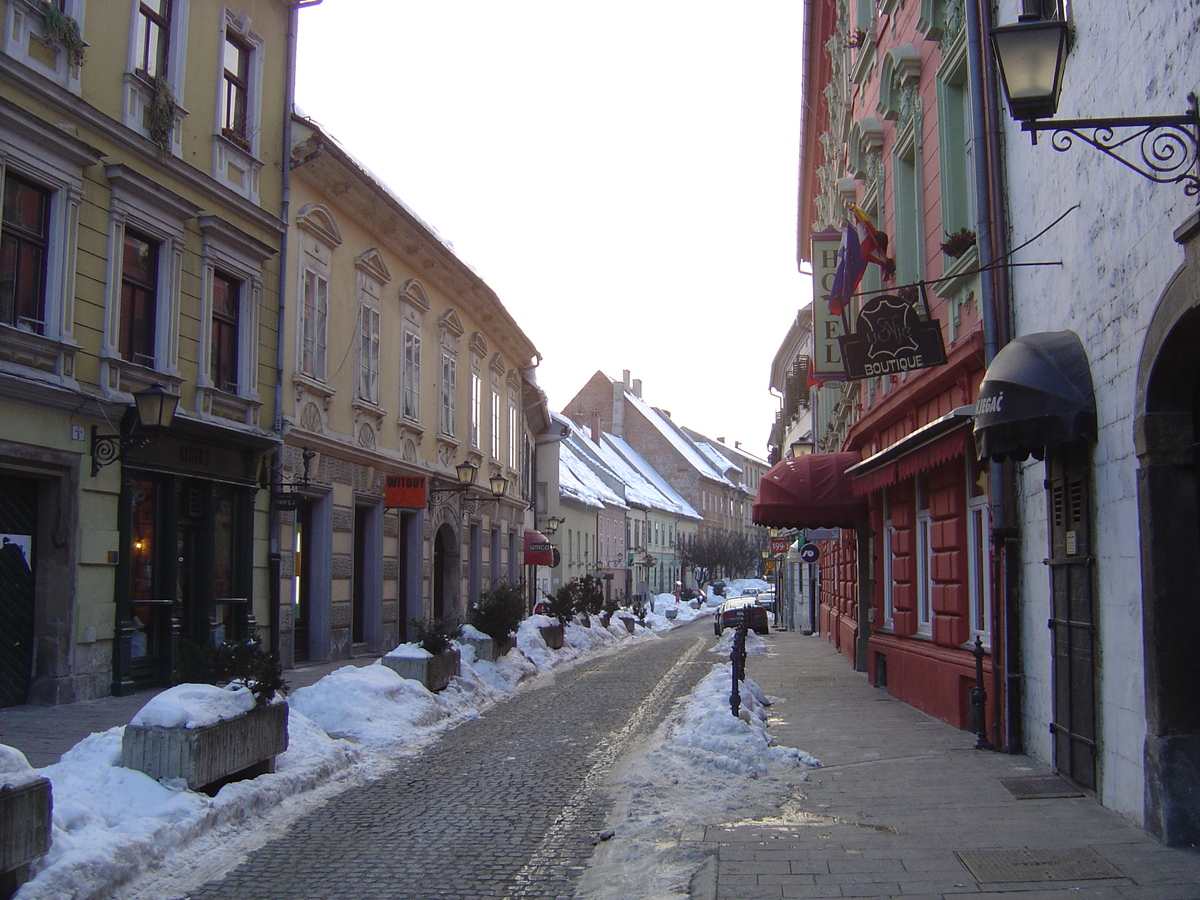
x,y
194,706
15,770
705,767
111,824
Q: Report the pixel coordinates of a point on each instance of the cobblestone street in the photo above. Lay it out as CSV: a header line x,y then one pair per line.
x,y
508,806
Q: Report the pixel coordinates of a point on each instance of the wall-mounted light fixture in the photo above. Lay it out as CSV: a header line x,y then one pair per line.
x,y
467,472
1031,55
552,524
153,410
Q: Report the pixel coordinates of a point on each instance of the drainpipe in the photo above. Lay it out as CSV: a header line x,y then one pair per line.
x,y
275,525
995,288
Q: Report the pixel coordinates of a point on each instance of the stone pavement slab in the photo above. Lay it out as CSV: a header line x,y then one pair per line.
x,y
903,806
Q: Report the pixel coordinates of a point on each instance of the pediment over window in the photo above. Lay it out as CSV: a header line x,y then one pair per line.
x,y
478,344
318,220
497,364
449,321
414,292
900,71
371,262
866,141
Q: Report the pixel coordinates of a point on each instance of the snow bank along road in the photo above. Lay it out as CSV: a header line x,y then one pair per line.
x,y
507,806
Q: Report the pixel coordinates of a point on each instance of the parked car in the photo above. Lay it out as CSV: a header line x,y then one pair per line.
x,y
766,599
730,614
542,608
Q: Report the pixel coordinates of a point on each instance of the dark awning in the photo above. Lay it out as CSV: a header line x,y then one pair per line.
x,y
810,491
1037,393
929,446
538,549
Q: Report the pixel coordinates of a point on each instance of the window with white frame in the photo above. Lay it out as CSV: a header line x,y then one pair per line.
x,y
908,203
497,432
514,431
142,333
24,243
226,312
314,319
231,277
476,411
956,140
924,551
41,183
368,353
155,76
448,407
27,40
978,568
239,112
410,376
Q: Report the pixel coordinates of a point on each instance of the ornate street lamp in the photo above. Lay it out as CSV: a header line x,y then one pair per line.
x,y
155,410
1031,55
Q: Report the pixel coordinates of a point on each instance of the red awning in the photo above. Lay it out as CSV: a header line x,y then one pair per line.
x,y
926,448
811,491
538,549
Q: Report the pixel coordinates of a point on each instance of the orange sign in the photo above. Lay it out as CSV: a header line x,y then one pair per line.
x,y
406,491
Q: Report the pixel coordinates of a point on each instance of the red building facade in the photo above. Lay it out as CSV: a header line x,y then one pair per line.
x,y
889,127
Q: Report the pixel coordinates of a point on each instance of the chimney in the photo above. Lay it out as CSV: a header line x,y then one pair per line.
x,y
618,407
666,412
625,377
637,388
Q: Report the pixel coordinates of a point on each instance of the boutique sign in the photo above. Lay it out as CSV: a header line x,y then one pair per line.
x,y
890,337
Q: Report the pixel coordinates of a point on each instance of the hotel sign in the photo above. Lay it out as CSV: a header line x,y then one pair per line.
x,y
827,328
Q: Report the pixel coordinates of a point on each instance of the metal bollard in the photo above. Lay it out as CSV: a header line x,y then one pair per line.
x,y
979,701
737,656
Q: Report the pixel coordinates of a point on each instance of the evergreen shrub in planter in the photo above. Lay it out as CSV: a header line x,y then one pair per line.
x,y
437,659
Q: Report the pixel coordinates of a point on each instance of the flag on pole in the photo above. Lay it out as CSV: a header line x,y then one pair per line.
x,y
873,244
849,272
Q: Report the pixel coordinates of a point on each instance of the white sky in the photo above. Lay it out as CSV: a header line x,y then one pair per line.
x,y
623,175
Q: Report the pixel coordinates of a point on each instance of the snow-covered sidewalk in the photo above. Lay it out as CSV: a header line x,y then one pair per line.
x,y
112,824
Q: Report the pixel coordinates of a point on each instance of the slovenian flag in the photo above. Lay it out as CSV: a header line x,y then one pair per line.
x,y
873,244
849,272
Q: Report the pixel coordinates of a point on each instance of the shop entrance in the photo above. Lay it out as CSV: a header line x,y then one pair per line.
x,y
18,525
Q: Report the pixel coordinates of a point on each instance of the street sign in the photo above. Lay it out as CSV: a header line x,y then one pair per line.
x,y
779,545
810,553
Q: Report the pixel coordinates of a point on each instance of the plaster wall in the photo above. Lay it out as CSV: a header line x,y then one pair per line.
x,y
1117,256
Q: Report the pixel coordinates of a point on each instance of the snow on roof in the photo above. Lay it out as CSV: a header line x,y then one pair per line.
x,y
577,480
678,440
640,472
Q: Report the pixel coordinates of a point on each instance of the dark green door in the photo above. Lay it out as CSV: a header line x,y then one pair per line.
x,y
1072,616
18,524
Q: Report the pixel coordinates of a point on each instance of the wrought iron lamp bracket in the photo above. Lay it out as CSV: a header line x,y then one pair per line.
x,y
1164,149
108,448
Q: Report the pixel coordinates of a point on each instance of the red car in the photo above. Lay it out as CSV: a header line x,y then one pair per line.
x,y
730,614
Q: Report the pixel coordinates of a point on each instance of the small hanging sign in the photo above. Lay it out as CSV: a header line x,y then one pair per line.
x,y
891,337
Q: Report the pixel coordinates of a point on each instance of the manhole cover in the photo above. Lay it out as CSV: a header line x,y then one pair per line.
x,y
1081,864
1040,787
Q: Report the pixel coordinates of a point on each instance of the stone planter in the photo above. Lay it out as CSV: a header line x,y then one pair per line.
x,y
434,671
671,613
627,622
552,635
24,829
490,649
585,621
244,746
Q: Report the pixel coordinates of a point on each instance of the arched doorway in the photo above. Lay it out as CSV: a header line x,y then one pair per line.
x,y
446,578
1168,428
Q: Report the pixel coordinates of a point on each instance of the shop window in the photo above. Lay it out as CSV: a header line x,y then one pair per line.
x,y
889,583
924,559
979,569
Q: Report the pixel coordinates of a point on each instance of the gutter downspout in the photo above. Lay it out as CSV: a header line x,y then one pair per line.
x,y
991,230
275,524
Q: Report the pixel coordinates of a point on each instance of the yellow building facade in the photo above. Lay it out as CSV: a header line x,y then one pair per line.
x,y
141,160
